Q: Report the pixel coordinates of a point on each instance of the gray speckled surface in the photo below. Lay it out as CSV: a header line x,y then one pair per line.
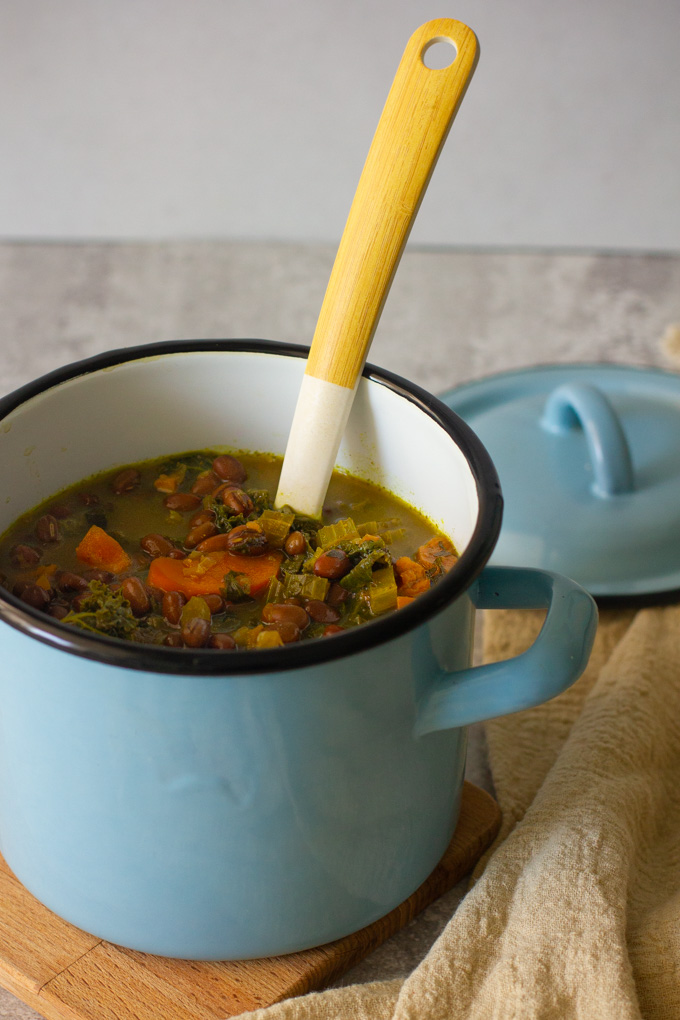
x,y
452,316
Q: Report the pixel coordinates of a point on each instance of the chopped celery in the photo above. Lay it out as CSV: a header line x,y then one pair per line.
x,y
268,639
307,525
276,526
377,527
341,531
307,585
383,590
275,591
389,537
195,609
388,531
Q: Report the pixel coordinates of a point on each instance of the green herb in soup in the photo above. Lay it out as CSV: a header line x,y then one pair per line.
x,y
190,552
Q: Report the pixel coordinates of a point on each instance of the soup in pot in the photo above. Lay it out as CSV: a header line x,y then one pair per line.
x,y
189,552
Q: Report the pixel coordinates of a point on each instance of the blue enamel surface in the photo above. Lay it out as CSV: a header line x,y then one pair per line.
x,y
553,662
589,462
226,817
582,406
242,816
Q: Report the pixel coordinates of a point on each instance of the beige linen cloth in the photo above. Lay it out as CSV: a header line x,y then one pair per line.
x,y
575,911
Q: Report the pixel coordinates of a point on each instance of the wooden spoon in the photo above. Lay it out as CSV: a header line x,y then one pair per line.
x,y
412,129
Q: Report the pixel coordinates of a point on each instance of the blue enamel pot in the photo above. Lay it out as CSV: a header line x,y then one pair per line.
x,y
216,805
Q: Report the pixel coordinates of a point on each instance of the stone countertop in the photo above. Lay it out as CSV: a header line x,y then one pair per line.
x,y
452,316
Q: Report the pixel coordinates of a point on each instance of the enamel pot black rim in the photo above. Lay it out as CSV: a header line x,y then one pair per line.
x,y
209,662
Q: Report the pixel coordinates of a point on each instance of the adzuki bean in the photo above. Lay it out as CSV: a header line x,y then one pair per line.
x,y
333,563
126,481
295,543
24,556
66,580
229,469
277,612
223,642
321,612
288,631
182,502
104,576
34,595
337,595
47,529
215,603
136,594
205,483
60,511
245,541
238,501
172,605
195,632
156,545
198,534
202,517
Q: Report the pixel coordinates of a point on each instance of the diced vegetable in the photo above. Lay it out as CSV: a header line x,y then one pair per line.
x,y
413,579
404,600
193,576
171,482
195,609
437,555
276,526
45,574
333,534
309,586
99,549
268,639
382,592
257,637
275,591
392,536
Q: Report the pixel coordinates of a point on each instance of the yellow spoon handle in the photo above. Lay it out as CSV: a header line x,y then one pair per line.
x,y
415,121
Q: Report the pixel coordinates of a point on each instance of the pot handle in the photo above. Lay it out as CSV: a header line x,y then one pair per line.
x,y
556,659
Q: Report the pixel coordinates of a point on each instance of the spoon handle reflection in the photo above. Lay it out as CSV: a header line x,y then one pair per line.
x,y
415,121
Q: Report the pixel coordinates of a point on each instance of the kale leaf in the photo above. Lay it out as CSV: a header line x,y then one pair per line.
x,y
103,611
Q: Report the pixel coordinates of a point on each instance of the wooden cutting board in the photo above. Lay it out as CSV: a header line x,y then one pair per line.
x,y
66,974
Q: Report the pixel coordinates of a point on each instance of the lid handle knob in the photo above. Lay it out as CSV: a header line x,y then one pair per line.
x,y
586,406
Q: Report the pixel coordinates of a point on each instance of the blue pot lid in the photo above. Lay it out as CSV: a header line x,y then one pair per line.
x,y
589,463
